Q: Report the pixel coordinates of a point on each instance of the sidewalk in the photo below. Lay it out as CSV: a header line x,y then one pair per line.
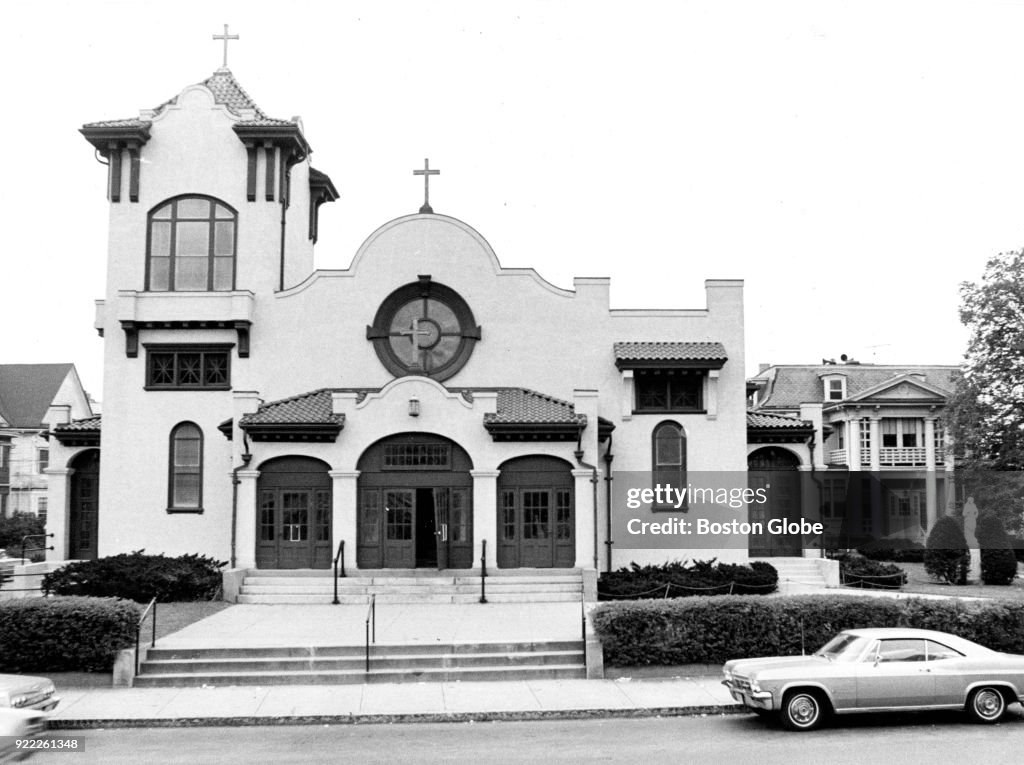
x,y
399,702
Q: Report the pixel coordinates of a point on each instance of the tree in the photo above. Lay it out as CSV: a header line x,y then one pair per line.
x,y
947,557
985,415
998,561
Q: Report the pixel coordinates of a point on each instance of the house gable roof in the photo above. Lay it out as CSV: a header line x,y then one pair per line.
x,y
28,390
789,385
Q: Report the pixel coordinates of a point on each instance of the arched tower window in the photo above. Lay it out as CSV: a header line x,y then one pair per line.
x,y
668,460
191,246
185,468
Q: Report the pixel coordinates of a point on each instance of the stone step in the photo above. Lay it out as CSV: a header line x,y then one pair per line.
x,y
446,674
405,573
380,649
470,581
409,598
410,662
390,589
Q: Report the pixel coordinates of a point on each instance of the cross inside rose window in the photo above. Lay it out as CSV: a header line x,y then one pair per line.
x,y
424,329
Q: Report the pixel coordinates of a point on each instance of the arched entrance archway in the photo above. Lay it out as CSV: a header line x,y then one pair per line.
x,y
415,504
536,514
293,515
776,471
84,515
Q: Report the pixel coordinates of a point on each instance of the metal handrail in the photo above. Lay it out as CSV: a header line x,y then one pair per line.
x,y
483,572
340,556
138,629
371,617
35,536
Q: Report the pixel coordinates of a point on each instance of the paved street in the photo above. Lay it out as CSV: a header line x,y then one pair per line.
x,y
907,739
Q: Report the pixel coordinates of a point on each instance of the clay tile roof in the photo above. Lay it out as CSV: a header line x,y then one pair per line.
x,y
670,351
305,409
760,420
87,425
131,122
520,406
227,92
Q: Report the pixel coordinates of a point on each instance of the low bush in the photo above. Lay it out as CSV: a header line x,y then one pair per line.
x,y
65,634
714,630
894,551
947,557
139,577
858,571
17,526
677,580
998,561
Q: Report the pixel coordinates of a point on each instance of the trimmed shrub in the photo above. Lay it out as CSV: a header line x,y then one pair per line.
x,y
858,571
15,528
678,580
947,557
714,630
894,550
65,634
139,577
998,561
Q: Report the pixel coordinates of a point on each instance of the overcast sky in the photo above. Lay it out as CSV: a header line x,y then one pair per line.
x,y
852,162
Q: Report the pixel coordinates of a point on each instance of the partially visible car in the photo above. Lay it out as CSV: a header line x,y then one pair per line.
x,y
19,725
879,670
28,692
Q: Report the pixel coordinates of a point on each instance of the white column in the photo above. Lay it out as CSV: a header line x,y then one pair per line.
x,y
485,515
929,443
245,520
930,478
875,433
58,510
344,524
853,442
711,400
585,510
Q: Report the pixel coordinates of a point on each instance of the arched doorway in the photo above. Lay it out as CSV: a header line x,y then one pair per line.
x,y
83,518
293,515
776,471
415,504
536,514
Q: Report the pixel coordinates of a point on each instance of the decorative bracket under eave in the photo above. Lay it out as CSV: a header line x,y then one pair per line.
x,y
131,332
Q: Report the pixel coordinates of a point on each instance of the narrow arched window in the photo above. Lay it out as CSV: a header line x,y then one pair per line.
x,y
668,463
191,246
185,490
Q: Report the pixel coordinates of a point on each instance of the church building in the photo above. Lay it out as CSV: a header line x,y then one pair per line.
x,y
425,407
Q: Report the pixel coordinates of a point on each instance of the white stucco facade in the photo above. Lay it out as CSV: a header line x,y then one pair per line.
x,y
541,378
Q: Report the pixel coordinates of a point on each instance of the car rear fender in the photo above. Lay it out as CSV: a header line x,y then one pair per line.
x,y
1012,693
806,685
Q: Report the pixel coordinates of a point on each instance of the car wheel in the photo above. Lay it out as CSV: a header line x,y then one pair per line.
x,y
802,710
986,704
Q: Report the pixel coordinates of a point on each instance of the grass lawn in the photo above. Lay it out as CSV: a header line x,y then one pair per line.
x,y
918,581
171,617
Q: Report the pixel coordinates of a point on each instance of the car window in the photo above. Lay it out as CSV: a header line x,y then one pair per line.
x,y
903,649
937,651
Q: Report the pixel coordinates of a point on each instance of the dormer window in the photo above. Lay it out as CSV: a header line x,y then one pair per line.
x,y
191,246
835,388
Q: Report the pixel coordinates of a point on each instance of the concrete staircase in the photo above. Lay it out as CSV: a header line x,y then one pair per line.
x,y
323,665
404,586
798,574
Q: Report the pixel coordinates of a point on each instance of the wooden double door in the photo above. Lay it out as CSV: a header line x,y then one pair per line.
x,y
293,514
415,527
774,471
536,514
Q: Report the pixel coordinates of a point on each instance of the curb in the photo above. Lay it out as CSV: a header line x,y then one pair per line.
x,y
416,717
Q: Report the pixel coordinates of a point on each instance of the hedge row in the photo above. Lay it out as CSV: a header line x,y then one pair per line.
x,y
65,634
139,577
678,580
714,630
864,573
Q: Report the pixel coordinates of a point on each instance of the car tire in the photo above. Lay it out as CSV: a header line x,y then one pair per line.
x,y
803,710
986,704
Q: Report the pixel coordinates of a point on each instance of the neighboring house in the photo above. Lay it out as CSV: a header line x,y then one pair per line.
x,y
33,399
426,406
870,439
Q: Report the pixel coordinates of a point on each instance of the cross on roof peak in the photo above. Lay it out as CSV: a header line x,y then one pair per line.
x,y
426,172
225,37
